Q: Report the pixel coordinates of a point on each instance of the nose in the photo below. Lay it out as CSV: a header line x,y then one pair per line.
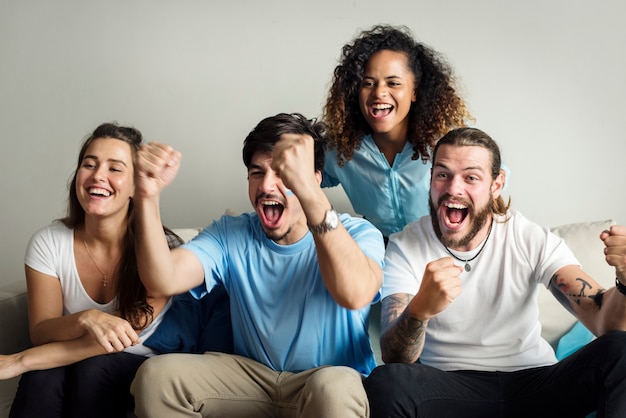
x,y
269,181
455,186
380,90
99,174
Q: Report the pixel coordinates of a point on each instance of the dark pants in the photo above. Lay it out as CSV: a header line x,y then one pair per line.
x,y
593,378
95,387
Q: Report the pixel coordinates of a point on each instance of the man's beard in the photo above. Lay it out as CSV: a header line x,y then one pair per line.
x,y
274,236
479,219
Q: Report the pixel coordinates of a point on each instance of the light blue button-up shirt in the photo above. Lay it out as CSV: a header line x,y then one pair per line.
x,y
388,196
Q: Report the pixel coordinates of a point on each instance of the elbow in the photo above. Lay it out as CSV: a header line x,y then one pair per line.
x,y
354,301
160,291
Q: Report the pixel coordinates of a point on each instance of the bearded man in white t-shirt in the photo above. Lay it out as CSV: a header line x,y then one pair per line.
x,y
460,328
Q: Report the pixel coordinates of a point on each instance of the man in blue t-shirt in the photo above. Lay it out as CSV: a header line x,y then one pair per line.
x,y
300,278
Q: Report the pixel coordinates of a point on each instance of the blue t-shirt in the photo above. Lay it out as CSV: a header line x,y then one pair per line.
x,y
282,314
388,196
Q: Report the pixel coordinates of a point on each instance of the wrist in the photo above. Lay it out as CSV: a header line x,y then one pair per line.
x,y
620,287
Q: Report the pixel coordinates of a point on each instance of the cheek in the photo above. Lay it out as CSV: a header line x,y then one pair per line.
x,y
251,192
406,99
125,185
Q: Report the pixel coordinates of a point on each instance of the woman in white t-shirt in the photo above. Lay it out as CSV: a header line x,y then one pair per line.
x,y
85,297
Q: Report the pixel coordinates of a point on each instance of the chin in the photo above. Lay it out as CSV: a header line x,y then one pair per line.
x,y
275,234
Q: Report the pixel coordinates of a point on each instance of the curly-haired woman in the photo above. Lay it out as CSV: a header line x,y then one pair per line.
x,y
390,100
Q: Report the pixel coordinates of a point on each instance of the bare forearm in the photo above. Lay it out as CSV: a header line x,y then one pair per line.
x,y
612,312
402,339
350,276
154,261
63,328
48,356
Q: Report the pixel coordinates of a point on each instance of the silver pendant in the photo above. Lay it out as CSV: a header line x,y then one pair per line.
x,y
468,268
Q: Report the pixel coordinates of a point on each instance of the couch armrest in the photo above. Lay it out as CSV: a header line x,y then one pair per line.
x,y
13,334
13,318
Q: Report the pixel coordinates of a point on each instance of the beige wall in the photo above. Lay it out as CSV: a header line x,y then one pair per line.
x,y
544,78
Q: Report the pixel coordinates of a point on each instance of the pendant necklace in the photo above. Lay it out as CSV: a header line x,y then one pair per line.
x,y
105,279
467,266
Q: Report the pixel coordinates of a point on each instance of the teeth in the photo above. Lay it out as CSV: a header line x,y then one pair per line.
x,y
271,203
97,190
381,106
456,206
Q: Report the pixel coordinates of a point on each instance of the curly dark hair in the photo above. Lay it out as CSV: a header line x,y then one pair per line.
x,y
437,109
132,300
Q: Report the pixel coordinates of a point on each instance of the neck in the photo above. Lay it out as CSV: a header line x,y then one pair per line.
x,y
466,261
477,239
106,232
389,145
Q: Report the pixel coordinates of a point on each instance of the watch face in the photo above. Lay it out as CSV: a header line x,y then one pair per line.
x,y
332,219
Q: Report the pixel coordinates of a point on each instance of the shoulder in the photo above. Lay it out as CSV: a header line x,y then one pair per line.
x,y
55,231
356,224
367,236
420,229
228,227
514,223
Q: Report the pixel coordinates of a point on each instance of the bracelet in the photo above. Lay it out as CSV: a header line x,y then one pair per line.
x,y
620,287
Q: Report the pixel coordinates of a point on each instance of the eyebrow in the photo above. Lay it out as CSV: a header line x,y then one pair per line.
x,y
113,160
384,78
469,168
253,166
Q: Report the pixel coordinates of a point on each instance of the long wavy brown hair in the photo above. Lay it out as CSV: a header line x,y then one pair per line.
x,y
438,107
132,300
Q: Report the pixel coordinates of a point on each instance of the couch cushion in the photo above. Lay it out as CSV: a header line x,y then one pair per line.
x,y
13,334
186,233
583,239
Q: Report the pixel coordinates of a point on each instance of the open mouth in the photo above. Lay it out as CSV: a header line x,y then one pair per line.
x,y
454,213
380,110
272,211
98,192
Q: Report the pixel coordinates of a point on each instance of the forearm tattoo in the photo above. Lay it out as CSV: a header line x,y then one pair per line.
x,y
571,296
402,336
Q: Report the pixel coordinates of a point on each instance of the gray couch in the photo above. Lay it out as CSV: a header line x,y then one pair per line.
x,y
583,239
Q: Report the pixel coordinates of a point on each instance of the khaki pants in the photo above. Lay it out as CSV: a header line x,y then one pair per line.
x,y
224,385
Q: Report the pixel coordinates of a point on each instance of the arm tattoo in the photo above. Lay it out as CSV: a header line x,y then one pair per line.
x,y
402,336
570,296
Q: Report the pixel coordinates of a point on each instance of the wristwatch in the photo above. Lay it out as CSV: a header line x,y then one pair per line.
x,y
331,220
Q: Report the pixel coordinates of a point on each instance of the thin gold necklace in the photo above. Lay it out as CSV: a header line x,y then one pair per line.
x,y
105,279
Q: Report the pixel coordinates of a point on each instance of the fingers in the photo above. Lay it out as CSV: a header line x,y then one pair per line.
x,y
154,157
112,333
118,340
440,285
615,251
293,152
156,167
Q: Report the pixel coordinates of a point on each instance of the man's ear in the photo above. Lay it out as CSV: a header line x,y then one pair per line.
x,y
318,176
498,184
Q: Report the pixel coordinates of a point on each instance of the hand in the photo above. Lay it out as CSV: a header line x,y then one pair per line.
x,y
156,167
111,332
293,160
441,284
615,251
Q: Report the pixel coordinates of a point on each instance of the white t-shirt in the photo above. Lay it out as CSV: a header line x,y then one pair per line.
x,y
51,251
494,323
